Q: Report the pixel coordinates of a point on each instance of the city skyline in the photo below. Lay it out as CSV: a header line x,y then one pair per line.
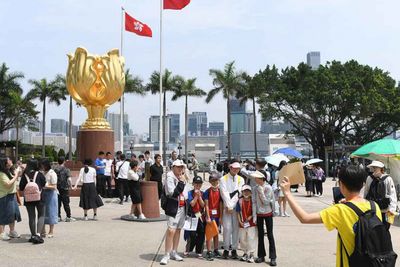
x,y
207,34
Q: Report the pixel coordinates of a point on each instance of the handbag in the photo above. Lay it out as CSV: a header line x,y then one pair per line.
x,y
99,201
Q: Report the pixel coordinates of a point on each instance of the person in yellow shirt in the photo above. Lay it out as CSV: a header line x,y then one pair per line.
x,y
339,216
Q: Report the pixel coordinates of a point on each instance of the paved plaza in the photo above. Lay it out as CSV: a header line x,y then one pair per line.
x,y
113,242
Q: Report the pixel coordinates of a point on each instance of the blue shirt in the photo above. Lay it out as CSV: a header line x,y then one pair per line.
x,y
100,163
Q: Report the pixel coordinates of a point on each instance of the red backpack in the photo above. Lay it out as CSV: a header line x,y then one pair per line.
x,y
32,192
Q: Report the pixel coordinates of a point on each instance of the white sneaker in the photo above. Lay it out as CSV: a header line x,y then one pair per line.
x,y
85,218
132,216
164,260
175,256
287,214
14,234
4,236
142,217
94,217
70,219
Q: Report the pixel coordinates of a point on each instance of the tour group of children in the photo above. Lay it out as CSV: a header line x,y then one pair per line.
x,y
239,207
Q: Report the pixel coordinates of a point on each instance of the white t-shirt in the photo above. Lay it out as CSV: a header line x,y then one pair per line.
x,y
133,176
51,177
107,170
123,170
88,177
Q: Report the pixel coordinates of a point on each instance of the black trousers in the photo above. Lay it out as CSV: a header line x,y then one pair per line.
x,y
63,199
101,185
41,210
196,239
318,186
107,179
123,188
261,247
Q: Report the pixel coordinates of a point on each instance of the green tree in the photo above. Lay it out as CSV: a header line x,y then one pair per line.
x,y
61,153
169,84
228,81
134,84
345,103
187,88
13,106
46,91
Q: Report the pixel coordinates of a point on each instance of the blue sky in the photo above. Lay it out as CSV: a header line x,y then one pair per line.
x,y
36,36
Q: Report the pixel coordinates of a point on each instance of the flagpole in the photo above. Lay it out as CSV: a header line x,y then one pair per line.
x,y
161,132
121,128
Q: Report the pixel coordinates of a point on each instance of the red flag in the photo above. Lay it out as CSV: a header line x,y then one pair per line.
x,y
135,26
175,4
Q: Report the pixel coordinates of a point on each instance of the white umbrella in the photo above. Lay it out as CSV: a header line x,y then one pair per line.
x,y
313,161
276,159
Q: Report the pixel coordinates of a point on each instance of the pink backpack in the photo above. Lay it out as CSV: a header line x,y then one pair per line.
x,y
31,191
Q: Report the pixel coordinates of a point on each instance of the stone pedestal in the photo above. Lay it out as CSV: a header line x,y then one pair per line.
x,y
90,142
150,203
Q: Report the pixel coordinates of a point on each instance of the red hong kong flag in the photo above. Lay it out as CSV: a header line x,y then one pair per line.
x,y
175,4
135,26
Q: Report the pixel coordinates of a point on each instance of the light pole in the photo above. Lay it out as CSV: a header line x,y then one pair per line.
x,y
14,155
179,148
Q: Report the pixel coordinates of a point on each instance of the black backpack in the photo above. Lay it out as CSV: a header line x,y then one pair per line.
x,y
377,192
373,243
62,178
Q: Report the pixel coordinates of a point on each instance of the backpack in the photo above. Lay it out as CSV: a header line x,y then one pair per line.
x,y
377,192
62,178
31,191
373,244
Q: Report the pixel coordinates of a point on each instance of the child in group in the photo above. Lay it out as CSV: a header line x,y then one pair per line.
x,y
264,203
196,210
134,190
247,227
214,208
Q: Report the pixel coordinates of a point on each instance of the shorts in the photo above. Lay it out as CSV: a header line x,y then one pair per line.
x,y
179,221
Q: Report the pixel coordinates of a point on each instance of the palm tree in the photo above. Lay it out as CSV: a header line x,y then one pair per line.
x,y
250,92
133,84
46,91
170,83
228,81
187,88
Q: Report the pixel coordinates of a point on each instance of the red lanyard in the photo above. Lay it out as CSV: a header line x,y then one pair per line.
x,y
214,196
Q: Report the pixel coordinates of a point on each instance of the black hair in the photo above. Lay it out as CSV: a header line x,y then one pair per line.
x,y
133,164
141,156
122,157
119,152
61,160
156,156
133,155
233,161
147,152
261,162
87,163
108,153
45,164
32,166
352,177
101,153
3,166
283,163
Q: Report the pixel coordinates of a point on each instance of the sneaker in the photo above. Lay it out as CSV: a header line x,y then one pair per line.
x,y
209,256
199,256
225,255
132,217
217,254
37,239
164,260
286,214
14,234
121,202
94,217
142,217
4,236
272,262
244,257
250,259
59,219
70,219
85,218
234,255
175,256
260,260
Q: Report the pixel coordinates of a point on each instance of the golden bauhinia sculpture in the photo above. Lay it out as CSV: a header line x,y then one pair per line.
x,y
96,82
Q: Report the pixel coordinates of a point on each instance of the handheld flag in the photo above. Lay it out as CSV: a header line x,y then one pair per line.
x,y
135,26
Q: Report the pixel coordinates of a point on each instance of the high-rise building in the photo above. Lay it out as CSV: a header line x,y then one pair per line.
x,y
215,128
174,129
154,129
197,123
314,59
58,126
115,122
236,107
241,121
275,127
